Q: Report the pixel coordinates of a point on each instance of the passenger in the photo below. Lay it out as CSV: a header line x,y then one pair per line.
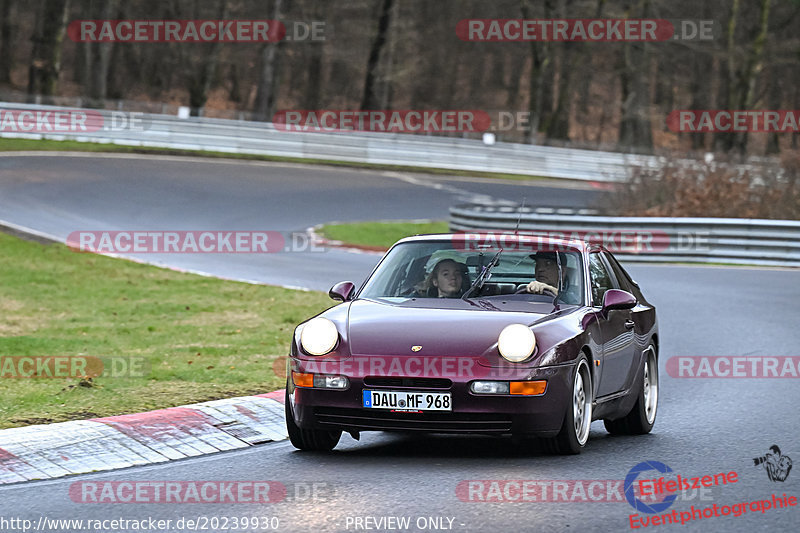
x,y
446,280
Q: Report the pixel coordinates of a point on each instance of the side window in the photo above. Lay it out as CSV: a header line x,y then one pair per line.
x,y
623,279
599,279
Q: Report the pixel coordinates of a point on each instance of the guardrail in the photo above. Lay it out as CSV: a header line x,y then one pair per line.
x,y
261,138
648,239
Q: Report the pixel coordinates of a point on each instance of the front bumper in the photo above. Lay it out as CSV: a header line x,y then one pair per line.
x,y
472,413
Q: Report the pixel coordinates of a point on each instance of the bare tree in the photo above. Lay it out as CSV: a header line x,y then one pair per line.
x,y
201,76
635,130
97,56
313,85
738,89
540,65
371,98
268,74
382,53
774,102
557,123
45,63
6,53
753,65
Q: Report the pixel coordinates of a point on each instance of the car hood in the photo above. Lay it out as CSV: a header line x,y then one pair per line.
x,y
442,328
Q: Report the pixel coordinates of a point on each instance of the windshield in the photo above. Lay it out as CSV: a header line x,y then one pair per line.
x,y
438,270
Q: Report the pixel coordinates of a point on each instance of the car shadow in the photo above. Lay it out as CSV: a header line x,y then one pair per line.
x,y
437,445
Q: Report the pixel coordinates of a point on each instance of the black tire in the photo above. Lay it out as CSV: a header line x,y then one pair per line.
x,y
571,439
642,417
315,440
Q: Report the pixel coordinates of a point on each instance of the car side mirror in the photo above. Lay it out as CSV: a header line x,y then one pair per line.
x,y
342,291
617,299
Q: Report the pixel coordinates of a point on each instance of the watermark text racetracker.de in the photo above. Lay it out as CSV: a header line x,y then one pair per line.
x,y
73,366
387,120
726,366
194,31
614,240
732,120
202,492
585,30
192,242
455,367
55,120
558,491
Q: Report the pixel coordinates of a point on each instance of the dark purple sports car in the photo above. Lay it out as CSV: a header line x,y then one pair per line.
x,y
479,333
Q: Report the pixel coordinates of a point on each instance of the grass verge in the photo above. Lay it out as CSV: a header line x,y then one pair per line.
x,y
14,145
197,338
379,234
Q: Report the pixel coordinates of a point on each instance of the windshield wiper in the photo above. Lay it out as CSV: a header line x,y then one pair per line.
x,y
483,276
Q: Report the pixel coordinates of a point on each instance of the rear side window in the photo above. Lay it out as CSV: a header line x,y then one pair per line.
x,y
599,279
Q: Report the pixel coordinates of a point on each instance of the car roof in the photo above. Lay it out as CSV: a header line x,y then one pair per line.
x,y
500,239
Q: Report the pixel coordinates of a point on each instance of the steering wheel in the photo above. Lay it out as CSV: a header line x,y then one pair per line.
x,y
408,292
525,290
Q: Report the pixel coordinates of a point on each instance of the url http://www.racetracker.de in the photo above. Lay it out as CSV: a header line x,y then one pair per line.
x,y
694,513
198,523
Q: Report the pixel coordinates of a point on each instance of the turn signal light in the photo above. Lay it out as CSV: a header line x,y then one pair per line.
x,y
302,380
528,388
319,381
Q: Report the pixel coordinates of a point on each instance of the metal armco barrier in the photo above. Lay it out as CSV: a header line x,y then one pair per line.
x,y
648,239
261,138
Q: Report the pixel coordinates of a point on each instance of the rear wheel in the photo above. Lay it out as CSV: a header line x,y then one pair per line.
x,y
318,440
642,417
575,430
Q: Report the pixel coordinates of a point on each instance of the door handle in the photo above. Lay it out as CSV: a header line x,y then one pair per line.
x,y
629,324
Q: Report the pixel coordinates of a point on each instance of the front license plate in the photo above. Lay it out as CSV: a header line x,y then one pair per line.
x,y
407,401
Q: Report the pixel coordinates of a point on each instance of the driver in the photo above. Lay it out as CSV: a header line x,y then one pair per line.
x,y
446,280
546,274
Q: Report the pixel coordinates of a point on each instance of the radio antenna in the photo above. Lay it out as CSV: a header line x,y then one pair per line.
x,y
519,218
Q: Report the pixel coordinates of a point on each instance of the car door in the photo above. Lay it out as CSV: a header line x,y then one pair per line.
x,y
616,330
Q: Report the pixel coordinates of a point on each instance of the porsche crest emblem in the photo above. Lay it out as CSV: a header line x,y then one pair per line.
x,y
416,348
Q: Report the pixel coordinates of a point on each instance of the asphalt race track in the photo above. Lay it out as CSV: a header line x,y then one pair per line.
x,y
704,426
58,195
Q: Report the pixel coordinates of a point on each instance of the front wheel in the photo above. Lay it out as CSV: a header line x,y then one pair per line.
x,y
575,430
642,417
318,440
